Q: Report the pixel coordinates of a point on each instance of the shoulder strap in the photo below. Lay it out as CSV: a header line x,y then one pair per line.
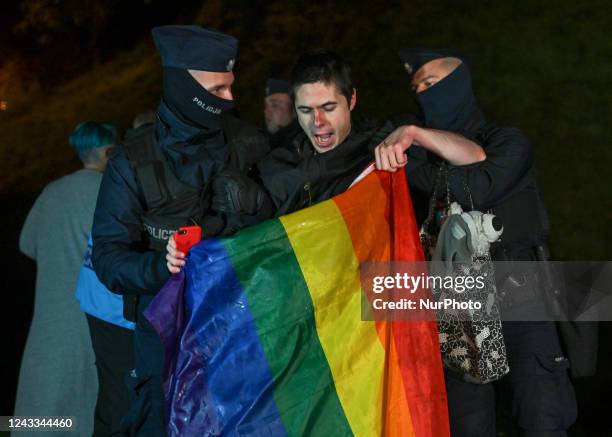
x,y
140,145
247,144
142,153
441,177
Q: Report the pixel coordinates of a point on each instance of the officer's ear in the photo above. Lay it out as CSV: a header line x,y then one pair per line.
x,y
353,101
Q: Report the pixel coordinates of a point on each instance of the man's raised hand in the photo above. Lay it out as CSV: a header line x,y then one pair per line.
x,y
390,154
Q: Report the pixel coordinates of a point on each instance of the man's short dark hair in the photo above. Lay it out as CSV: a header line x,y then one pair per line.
x,y
322,66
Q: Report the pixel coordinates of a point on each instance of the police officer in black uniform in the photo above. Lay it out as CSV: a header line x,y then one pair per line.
x,y
279,114
502,181
162,179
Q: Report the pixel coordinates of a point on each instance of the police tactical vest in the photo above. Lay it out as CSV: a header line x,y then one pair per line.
x,y
170,203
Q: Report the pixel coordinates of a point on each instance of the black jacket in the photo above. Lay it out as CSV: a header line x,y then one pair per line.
x,y
285,135
121,255
504,183
297,176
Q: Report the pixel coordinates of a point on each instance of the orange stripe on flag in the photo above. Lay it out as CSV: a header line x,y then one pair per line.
x,y
364,225
417,341
414,363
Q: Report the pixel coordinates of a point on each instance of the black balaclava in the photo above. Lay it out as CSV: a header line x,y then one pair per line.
x,y
450,104
190,119
190,102
191,132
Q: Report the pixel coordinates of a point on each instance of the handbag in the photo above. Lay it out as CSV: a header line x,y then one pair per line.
x,y
471,339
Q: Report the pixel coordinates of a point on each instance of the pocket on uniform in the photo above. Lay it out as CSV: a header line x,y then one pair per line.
x,y
139,389
551,364
546,400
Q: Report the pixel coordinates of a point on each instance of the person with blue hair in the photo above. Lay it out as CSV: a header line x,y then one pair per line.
x,y
112,336
58,373
93,141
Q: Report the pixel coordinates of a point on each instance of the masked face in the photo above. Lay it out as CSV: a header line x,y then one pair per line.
x,y
200,98
218,84
433,72
324,114
444,93
278,111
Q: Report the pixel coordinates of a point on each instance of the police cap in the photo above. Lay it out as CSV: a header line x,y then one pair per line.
x,y
196,48
413,59
277,86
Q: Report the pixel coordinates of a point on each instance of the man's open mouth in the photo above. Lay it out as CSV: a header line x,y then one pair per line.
x,y
324,140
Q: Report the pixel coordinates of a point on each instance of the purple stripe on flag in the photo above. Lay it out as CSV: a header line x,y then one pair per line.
x,y
166,313
218,370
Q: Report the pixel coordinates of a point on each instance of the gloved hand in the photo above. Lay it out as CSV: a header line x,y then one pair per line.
x,y
235,193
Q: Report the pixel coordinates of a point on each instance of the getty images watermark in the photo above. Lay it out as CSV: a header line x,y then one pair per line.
x,y
509,291
410,284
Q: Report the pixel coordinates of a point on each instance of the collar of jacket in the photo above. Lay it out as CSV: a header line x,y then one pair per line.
x,y
362,131
194,154
170,126
475,123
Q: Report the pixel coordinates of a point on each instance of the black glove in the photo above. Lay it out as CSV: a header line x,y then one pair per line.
x,y
235,193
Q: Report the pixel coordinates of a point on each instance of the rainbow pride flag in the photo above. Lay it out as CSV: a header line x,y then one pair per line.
x,y
263,332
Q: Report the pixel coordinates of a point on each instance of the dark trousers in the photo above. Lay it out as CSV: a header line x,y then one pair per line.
x,y
113,347
543,399
146,412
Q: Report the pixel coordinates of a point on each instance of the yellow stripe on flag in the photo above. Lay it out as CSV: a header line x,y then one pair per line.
x,y
352,346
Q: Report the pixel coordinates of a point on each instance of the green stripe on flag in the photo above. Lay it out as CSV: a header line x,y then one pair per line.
x,y
282,308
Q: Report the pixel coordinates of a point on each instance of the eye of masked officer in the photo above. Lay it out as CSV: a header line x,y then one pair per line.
x,y
442,84
433,72
215,82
